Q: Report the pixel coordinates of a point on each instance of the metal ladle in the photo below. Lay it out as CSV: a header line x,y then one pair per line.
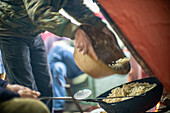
x,y
83,94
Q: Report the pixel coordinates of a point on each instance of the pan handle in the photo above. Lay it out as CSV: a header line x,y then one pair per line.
x,y
56,98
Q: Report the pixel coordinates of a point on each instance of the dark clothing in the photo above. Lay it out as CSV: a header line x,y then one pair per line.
x,y
4,93
22,52
25,63
27,18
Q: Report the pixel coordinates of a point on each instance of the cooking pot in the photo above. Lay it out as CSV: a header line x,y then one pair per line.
x,y
138,104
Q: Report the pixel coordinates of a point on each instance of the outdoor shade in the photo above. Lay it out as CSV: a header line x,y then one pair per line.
x,y
144,27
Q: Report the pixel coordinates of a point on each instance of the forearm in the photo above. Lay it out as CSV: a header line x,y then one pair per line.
x,y
3,83
6,94
83,14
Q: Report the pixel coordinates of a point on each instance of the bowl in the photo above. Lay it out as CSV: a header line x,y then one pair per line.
x,y
107,52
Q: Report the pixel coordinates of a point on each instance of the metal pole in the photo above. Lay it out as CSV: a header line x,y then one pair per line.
x,y
70,93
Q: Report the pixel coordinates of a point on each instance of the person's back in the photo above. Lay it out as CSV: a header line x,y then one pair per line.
x,y
27,18
14,19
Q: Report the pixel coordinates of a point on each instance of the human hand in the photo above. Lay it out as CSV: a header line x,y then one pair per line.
x,y
24,92
15,87
29,94
83,44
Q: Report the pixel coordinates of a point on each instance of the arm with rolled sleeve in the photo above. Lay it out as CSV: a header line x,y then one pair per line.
x,y
4,93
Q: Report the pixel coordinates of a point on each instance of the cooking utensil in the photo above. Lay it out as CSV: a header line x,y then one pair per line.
x,y
82,94
137,104
87,100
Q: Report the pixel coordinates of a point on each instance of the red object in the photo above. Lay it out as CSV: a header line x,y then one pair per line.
x,y
46,35
146,24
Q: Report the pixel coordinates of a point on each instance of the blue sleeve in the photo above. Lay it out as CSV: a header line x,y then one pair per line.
x,y
4,93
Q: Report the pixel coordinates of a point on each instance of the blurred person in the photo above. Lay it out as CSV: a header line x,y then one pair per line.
x,y
49,39
136,71
23,51
61,47
2,70
62,64
19,99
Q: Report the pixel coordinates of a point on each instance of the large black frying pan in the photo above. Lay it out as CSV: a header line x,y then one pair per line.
x,y
137,104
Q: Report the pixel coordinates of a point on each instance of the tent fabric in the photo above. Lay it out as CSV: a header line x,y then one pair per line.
x,y
146,25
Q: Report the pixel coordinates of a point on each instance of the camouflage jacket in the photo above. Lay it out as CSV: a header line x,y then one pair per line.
x,y
27,18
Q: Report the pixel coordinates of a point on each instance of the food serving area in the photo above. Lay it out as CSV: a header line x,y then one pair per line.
x,y
97,86
136,80
143,27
